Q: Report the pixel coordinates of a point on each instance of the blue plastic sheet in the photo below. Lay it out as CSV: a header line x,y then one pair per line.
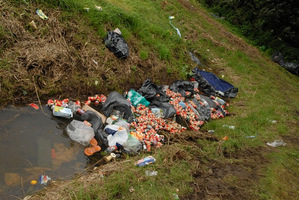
x,y
218,84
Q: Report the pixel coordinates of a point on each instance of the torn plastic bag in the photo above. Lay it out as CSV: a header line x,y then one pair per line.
x,y
116,44
203,110
168,109
123,123
132,146
216,84
136,98
150,91
182,87
80,132
116,101
177,30
195,59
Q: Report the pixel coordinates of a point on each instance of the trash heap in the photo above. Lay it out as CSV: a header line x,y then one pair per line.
x,y
136,121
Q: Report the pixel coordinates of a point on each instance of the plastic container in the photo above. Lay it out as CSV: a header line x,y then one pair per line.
x,y
62,112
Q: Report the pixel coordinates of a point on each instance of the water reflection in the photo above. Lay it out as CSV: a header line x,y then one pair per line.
x,y
34,143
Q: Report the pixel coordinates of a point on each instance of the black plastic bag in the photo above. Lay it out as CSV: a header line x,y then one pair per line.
x,y
168,109
291,67
203,84
150,90
182,87
116,101
116,44
97,125
210,102
203,110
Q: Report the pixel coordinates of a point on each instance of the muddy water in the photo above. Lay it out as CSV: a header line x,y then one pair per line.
x,y
33,143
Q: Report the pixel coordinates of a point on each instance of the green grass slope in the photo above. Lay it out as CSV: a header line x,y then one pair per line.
x,y
194,165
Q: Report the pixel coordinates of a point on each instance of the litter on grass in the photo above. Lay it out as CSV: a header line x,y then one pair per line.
x,y
276,143
133,122
114,125
41,14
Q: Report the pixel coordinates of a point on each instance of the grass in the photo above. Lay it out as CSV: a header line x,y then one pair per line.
x,y
282,171
266,92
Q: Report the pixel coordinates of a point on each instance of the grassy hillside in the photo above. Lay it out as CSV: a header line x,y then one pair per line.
x,y
65,57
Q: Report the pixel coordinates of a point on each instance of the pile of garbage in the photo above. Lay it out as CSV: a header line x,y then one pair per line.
x,y
136,120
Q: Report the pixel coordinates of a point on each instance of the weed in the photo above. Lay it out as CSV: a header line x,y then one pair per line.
x,y
143,54
134,68
184,72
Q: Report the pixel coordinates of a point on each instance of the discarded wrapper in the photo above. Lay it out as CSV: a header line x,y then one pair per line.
x,y
33,24
44,179
33,105
225,138
41,14
145,161
99,8
276,143
117,31
151,173
131,189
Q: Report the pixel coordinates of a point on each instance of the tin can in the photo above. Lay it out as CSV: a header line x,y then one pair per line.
x,y
109,157
88,102
80,111
50,102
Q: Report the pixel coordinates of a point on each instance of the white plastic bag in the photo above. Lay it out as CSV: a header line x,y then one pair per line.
x,y
120,137
80,132
124,124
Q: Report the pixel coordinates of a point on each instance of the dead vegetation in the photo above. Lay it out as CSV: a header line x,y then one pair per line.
x,y
64,58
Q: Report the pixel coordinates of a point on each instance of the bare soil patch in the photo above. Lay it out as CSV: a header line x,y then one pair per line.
x,y
229,179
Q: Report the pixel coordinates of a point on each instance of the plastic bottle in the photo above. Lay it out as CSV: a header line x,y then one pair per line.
x,y
221,101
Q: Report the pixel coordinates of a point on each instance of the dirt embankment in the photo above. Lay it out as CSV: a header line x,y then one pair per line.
x,y
64,57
